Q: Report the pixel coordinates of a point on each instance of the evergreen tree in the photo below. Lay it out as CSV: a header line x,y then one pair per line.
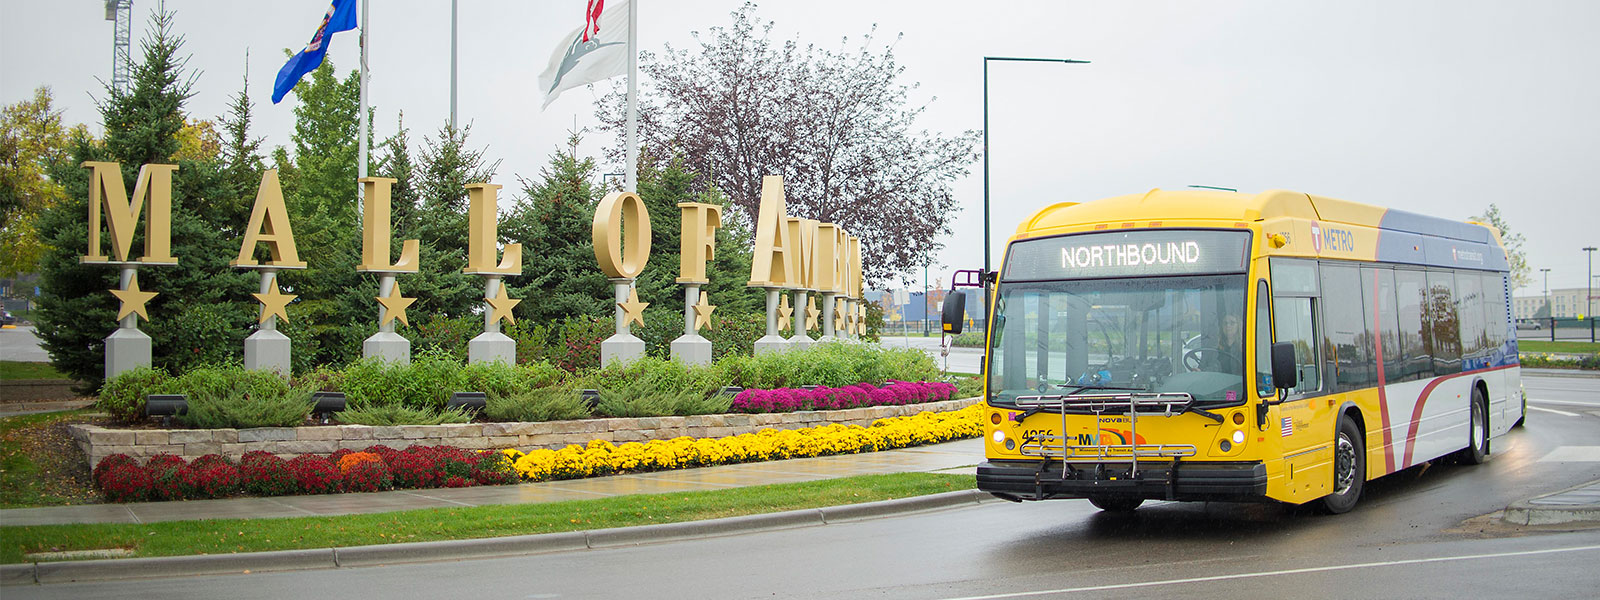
x,y
396,163
445,167
241,156
553,222
204,309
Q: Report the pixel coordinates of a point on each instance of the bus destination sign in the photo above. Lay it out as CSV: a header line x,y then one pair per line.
x,y
1128,254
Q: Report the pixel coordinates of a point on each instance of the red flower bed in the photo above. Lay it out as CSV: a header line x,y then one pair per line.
x,y
168,477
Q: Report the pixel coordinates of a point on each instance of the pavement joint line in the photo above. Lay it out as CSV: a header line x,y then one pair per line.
x,y
1552,410
448,550
133,515
455,502
291,506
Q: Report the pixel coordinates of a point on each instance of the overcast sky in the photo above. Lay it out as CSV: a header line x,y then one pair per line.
x,y
1435,107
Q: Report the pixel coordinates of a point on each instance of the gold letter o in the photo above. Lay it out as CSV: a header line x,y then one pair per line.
x,y
619,212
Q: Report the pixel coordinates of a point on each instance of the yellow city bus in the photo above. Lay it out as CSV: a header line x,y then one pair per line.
x,y
1201,345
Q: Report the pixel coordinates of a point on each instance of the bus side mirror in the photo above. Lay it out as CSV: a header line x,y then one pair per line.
x,y
955,312
1284,374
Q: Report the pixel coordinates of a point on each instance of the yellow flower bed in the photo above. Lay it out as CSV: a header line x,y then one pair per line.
x,y
600,457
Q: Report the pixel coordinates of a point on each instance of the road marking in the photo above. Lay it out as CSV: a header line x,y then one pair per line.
x,y
1573,454
1552,410
1391,563
1572,402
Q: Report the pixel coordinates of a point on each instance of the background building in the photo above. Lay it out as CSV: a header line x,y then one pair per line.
x,y
1564,303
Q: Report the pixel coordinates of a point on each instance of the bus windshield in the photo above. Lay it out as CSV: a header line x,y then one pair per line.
x,y
1156,334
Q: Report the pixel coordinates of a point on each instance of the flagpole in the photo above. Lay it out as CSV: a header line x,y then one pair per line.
x,y
453,65
631,182
361,154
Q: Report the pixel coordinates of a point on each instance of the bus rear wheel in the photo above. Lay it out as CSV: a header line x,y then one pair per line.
x,y
1115,504
1349,470
1477,450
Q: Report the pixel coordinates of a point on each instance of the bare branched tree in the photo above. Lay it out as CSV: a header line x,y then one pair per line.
x,y
834,123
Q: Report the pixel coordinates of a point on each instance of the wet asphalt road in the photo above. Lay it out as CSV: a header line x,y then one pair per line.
x,y
1419,533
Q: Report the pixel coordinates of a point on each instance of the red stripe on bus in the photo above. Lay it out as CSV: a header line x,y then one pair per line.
x,y
1416,412
1383,399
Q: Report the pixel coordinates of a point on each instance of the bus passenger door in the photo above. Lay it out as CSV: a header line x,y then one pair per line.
x,y
1307,447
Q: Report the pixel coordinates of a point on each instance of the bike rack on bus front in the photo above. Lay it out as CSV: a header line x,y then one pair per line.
x,y
1117,403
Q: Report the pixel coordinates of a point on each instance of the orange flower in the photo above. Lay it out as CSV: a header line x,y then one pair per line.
x,y
355,458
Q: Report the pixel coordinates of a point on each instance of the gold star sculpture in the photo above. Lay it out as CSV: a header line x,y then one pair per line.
x,y
394,306
812,313
633,309
274,302
839,318
500,305
784,312
133,299
702,312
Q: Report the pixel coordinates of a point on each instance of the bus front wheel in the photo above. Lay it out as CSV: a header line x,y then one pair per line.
x,y
1115,504
1349,469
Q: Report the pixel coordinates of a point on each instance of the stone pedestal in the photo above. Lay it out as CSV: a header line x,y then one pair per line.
x,y
828,330
690,348
492,346
267,350
127,349
772,342
621,347
386,344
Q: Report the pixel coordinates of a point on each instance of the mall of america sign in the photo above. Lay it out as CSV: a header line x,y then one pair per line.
x,y
793,256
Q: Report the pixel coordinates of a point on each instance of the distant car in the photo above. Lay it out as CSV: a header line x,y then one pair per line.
x,y
6,318
1529,324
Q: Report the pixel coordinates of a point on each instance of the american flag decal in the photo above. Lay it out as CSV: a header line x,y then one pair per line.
x,y
1288,427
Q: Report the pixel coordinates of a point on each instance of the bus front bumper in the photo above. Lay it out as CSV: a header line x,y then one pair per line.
x,y
1166,480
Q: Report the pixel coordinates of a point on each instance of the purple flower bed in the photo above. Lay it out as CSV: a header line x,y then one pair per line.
x,y
853,396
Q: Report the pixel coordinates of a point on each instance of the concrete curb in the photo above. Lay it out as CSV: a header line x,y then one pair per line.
x,y
1543,372
386,554
1577,504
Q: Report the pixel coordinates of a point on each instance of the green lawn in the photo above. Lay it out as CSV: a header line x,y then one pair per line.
x,y
1548,346
255,535
38,467
10,369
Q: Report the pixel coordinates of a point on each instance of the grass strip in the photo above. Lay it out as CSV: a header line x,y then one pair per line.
x,y
223,536
1549,346
11,369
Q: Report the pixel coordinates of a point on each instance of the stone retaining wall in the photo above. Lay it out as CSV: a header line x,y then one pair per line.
x,y
99,442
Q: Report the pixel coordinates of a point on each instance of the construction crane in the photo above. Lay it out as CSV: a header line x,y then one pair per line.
x,y
120,11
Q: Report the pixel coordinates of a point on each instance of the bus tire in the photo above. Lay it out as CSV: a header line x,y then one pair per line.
x,y
1477,450
1349,469
1115,504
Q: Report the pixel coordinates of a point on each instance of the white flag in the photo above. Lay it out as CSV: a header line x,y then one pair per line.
x,y
594,52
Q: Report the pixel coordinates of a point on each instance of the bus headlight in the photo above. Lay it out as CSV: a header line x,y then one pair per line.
x,y
1238,437
999,437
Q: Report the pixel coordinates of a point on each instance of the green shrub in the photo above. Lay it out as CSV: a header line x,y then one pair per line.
x,y
123,396
393,414
971,338
833,364
216,381
425,383
642,399
243,409
543,404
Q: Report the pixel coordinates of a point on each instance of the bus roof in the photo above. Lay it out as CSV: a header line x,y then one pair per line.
x,y
1400,236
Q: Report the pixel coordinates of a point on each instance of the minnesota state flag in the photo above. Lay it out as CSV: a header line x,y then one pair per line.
x,y
341,16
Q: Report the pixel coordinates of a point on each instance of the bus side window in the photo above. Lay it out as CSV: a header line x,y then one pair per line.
x,y
1296,324
1264,341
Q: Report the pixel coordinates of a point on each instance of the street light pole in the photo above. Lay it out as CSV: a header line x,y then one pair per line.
x,y
1546,290
1588,298
986,60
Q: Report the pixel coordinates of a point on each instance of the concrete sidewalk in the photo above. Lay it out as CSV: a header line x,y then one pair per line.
x,y
956,457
